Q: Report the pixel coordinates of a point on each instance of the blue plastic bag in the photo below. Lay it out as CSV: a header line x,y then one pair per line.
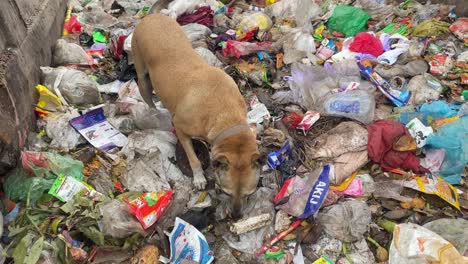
x,y
453,137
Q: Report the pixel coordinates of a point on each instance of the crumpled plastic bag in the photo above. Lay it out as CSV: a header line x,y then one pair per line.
x,y
346,221
357,104
453,138
255,20
431,28
299,44
209,57
117,220
348,163
421,91
367,43
345,137
145,117
410,69
19,187
299,10
63,135
179,7
234,48
75,86
196,33
349,20
69,53
378,10
139,177
45,164
382,135
460,29
414,244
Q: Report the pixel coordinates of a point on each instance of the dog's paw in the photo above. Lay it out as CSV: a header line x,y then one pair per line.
x,y
199,180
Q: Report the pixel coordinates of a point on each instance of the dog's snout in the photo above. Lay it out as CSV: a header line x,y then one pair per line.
x,y
236,211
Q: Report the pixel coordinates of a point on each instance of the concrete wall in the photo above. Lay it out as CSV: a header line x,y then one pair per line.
x,y
28,31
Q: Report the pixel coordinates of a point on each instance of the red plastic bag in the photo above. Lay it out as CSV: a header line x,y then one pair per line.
x,y
72,25
117,44
149,207
202,16
293,119
236,49
460,28
367,43
382,134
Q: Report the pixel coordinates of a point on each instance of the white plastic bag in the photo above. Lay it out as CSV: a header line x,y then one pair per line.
x,y
196,32
414,244
209,57
63,135
75,86
69,53
301,10
150,118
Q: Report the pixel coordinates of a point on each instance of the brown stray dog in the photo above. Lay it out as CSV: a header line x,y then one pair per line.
x,y
204,102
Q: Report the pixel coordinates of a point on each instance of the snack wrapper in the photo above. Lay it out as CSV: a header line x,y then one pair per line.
x,y
435,185
187,243
65,188
149,207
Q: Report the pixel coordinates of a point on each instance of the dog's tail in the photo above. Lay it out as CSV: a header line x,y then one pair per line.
x,y
159,5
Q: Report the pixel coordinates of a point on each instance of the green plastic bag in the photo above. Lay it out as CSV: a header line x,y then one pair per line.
x,y
18,185
349,20
50,165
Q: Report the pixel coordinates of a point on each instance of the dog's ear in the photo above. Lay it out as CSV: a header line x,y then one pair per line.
x,y
219,160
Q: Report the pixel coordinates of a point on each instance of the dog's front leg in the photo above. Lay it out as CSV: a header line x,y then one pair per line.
x,y
198,178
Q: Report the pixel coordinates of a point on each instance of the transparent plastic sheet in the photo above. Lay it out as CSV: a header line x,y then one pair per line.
x,y
421,91
209,57
258,203
63,135
69,53
75,86
358,105
145,117
196,32
453,230
453,138
346,221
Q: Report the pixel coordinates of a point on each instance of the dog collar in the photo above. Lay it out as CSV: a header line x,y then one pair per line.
x,y
229,132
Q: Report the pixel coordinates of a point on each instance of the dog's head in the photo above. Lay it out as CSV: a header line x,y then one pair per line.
x,y
235,161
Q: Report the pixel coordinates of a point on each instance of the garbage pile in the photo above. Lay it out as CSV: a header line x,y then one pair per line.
x,y
360,111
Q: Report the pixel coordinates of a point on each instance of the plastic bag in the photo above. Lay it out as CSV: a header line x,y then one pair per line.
x,y
139,177
460,29
299,44
432,184
453,138
414,244
237,49
209,57
63,135
149,207
187,243
124,124
367,43
70,53
307,193
358,105
378,10
75,86
117,221
349,20
345,137
43,164
346,164
255,20
19,187
150,118
203,16
421,91
346,221
410,69
179,7
453,230
196,32
299,10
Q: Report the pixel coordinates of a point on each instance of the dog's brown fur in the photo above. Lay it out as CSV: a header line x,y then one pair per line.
x,y
204,101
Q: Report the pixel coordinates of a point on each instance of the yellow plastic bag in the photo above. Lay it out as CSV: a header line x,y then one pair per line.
x,y
48,102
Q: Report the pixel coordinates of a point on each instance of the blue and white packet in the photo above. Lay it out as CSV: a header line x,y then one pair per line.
x,y
95,128
277,158
306,193
188,243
